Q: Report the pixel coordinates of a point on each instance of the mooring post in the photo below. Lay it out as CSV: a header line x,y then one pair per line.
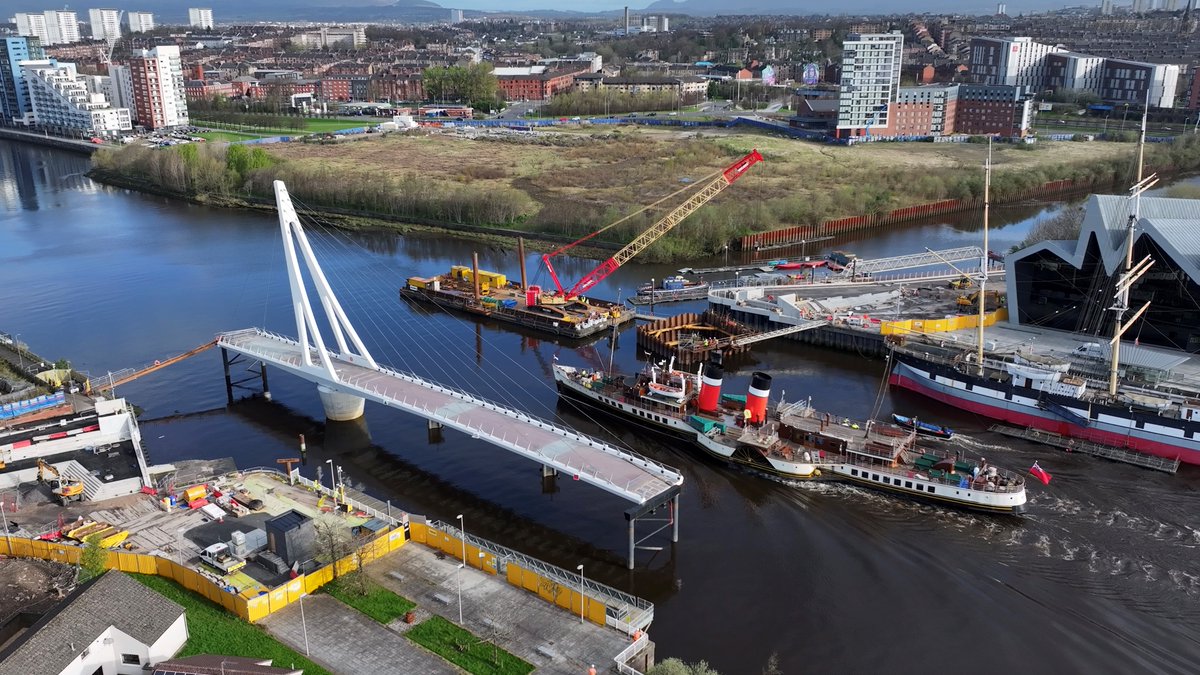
x,y
632,522
521,258
228,380
675,518
262,371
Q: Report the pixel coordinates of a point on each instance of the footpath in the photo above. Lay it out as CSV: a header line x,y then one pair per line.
x,y
346,641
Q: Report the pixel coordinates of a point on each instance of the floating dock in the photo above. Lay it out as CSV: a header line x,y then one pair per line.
x,y
491,295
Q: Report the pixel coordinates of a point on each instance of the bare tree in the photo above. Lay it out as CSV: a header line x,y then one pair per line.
x,y
333,544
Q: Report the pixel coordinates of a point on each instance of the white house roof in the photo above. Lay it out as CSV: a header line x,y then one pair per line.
x,y
115,599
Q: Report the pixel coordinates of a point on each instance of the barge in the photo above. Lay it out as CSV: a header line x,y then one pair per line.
x,y
491,295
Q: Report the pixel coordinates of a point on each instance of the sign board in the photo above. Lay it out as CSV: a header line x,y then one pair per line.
x,y
811,74
1045,107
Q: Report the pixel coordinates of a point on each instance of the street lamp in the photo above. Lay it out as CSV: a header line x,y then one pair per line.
x,y
332,486
462,534
581,595
4,519
303,623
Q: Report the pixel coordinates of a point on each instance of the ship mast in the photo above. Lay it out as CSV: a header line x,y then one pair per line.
x,y
1131,272
983,261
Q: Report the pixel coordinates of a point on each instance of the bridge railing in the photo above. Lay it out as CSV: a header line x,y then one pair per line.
x,y
667,473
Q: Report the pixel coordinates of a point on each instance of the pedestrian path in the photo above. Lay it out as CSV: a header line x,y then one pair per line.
x,y
348,642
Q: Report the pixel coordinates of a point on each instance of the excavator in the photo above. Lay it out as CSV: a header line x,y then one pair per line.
x,y
993,299
65,489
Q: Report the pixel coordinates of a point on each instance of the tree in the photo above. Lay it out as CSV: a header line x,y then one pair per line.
x,y
93,559
333,544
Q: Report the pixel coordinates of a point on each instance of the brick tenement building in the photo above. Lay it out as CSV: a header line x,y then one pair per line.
x,y
925,111
398,87
534,83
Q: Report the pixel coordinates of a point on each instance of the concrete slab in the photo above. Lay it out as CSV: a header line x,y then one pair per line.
x,y
547,636
344,640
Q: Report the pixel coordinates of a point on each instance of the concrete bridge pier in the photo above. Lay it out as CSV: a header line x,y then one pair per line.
x,y
340,407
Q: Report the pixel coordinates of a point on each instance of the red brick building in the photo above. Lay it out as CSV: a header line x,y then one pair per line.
x,y
335,88
535,83
992,109
398,87
206,89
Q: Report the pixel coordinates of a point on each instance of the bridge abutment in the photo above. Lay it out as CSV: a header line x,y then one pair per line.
x,y
340,407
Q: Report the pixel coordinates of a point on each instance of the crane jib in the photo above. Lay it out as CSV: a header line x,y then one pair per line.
x,y
655,231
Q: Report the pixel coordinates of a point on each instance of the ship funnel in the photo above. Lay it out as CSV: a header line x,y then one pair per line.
x,y
710,388
756,397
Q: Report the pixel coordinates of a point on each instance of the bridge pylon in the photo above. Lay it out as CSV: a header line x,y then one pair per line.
x,y
339,406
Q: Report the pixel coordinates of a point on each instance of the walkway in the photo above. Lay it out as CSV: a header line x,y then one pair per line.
x,y
545,635
626,474
349,642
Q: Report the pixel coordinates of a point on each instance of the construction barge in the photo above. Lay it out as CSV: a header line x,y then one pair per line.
x,y
492,295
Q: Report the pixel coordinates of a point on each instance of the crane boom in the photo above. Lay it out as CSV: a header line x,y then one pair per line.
x,y
711,189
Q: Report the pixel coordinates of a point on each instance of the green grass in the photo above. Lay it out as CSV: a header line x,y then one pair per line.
x,y
324,125
221,136
212,630
311,125
379,603
464,649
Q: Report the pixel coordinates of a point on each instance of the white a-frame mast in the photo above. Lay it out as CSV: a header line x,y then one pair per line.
x,y
306,322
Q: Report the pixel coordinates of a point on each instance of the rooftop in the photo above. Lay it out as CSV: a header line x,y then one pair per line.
x,y
114,599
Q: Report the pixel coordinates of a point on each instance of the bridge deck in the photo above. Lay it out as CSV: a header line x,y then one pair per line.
x,y
621,472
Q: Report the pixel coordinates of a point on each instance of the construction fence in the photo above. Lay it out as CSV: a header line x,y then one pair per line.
x,y
923,326
250,609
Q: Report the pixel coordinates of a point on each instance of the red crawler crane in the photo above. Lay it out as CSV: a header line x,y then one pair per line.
x,y
711,187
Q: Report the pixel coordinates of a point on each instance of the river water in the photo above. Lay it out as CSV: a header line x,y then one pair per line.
x,y
1101,576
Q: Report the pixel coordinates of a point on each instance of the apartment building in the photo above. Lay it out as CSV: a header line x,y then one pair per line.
x,y
333,36
200,17
534,83
140,22
1070,71
870,80
925,111
1004,110
63,104
1136,82
14,92
686,88
106,24
50,27
159,94
1015,61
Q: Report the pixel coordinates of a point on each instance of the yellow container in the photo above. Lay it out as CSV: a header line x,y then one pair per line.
x,y
193,493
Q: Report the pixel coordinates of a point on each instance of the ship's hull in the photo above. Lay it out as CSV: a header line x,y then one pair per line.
x,y
910,484
1109,425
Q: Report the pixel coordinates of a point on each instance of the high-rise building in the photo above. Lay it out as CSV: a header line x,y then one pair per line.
x,y
456,16
120,87
33,25
200,17
1141,6
14,93
870,80
62,26
63,103
1001,9
1106,7
1135,82
1017,61
106,24
159,96
140,22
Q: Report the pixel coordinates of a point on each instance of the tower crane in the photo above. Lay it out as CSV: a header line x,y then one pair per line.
x,y
711,186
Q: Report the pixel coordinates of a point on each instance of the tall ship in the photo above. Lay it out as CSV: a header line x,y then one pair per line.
x,y
792,440
1105,390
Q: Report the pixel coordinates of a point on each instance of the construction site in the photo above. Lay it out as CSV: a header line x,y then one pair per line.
x,y
566,311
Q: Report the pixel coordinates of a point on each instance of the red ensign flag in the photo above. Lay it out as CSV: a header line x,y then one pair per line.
x,y
1040,473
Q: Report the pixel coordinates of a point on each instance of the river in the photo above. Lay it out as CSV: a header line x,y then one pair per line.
x,y
1101,576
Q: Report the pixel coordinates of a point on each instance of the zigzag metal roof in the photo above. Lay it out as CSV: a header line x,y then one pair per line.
x,y
1174,224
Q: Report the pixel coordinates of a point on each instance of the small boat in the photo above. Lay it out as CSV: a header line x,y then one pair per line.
x,y
834,267
995,257
665,391
789,266
923,428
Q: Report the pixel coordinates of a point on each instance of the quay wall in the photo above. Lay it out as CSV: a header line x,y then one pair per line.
x,y
59,142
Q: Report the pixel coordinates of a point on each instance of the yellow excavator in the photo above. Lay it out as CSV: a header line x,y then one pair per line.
x,y
65,489
991,298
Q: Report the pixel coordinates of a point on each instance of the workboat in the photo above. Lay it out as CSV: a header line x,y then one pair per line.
x,y
793,440
671,289
923,428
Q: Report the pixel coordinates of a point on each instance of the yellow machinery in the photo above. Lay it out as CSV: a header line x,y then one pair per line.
x,y
961,283
972,300
109,535
66,490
